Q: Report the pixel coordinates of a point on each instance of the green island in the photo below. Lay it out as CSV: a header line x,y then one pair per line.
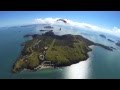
x,y
51,51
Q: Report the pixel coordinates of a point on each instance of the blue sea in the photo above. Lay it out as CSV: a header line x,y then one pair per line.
x,y
102,64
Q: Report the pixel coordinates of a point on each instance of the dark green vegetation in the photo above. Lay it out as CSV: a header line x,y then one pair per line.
x,y
58,50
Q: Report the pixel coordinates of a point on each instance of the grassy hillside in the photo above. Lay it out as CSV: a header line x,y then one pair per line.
x,y
61,51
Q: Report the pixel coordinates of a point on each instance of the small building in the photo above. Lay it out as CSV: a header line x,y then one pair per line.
x,y
44,52
26,60
41,57
45,48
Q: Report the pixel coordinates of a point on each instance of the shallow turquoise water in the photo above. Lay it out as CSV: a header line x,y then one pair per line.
x,y
101,64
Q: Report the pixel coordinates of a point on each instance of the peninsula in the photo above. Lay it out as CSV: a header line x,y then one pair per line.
x,y
103,36
118,43
50,27
50,50
110,40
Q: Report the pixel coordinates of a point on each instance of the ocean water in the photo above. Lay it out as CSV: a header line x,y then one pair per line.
x,y
102,64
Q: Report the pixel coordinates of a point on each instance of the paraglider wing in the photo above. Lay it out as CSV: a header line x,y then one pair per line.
x,y
62,20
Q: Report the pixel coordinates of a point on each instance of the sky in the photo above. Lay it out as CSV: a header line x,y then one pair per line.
x,y
105,20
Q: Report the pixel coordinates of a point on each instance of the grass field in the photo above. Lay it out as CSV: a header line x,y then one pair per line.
x,y
62,54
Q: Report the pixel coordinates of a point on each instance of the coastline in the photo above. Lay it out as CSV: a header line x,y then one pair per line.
x,y
52,67
75,48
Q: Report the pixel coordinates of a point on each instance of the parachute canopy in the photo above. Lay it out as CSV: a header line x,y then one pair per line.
x,y
62,20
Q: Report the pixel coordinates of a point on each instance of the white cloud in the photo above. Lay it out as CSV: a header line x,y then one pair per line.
x,y
115,31
46,20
